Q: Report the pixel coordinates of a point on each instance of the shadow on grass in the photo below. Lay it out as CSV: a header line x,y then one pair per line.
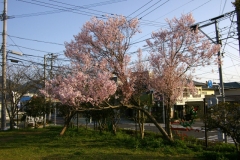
x,y
89,144
115,156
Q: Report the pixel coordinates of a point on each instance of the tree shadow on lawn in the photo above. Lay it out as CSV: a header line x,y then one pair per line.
x,y
115,156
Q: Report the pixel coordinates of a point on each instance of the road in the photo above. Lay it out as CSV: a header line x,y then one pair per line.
x,y
196,131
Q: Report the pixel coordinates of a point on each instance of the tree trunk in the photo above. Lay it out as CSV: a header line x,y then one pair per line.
x,y
66,124
138,120
143,129
11,123
115,120
94,125
64,129
11,119
168,120
35,123
114,128
163,132
100,127
141,123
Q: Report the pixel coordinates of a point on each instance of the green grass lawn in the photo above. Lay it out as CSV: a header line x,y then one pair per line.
x,y
87,144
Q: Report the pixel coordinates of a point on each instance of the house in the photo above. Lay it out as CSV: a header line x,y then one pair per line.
x,y
231,91
183,107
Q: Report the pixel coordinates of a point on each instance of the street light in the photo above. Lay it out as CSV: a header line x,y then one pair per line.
x,y
15,52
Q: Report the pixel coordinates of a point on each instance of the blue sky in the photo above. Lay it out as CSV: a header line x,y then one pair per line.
x,y
37,33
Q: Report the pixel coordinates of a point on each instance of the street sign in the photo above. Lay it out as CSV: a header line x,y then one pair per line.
x,y
209,84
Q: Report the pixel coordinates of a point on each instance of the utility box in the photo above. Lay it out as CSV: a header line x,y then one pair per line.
x,y
220,135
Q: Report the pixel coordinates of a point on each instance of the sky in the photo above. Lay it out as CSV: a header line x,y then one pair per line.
x,y
40,27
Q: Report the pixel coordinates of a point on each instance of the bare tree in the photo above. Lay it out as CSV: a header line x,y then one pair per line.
x,y
20,80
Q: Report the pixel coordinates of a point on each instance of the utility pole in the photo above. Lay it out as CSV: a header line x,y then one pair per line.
x,y
237,6
51,76
205,124
220,62
51,66
220,70
218,41
44,118
4,57
238,28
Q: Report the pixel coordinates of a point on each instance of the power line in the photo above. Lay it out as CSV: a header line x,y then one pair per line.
x,y
199,6
82,7
154,9
66,60
220,7
15,44
224,6
61,10
143,22
228,33
69,9
174,10
36,40
139,8
33,62
148,8
32,49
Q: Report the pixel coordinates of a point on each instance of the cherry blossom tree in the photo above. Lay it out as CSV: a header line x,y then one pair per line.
x,y
110,40
87,84
98,52
174,54
142,96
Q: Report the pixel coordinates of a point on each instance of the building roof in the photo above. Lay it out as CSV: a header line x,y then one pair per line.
x,y
229,85
232,85
199,83
25,98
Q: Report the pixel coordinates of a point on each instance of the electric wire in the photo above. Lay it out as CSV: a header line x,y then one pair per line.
x,y
174,10
139,8
63,9
228,33
58,11
36,40
143,22
57,43
154,9
61,51
32,49
224,6
199,6
220,7
34,62
16,45
81,7
147,9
